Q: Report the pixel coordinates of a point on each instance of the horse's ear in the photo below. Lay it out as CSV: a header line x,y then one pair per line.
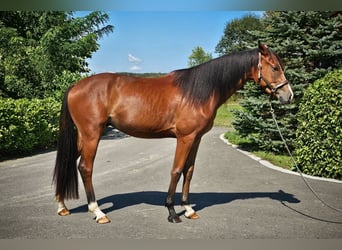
x,y
263,49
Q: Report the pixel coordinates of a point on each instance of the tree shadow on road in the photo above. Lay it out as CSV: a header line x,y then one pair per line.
x,y
202,200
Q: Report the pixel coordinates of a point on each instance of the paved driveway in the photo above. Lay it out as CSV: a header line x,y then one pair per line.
x,y
235,196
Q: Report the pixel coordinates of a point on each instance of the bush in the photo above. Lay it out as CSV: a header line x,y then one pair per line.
x,y
27,125
319,132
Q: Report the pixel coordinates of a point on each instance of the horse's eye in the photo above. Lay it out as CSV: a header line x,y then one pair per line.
x,y
275,68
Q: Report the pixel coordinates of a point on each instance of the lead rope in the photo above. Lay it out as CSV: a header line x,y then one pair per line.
x,y
299,171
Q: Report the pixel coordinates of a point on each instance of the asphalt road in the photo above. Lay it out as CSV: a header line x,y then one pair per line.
x,y
235,196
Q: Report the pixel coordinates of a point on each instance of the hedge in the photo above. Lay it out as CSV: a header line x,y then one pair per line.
x,y
27,125
319,132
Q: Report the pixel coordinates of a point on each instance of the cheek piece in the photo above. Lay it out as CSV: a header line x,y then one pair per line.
x,y
269,85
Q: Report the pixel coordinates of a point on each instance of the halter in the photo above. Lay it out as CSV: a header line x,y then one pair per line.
x,y
269,85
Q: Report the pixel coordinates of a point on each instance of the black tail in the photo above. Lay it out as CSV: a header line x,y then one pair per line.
x,y
65,174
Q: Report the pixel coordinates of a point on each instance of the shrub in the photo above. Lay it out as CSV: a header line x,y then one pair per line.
x,y
319,132
27,125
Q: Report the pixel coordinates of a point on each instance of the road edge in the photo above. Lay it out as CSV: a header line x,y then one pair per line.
x,y
274,167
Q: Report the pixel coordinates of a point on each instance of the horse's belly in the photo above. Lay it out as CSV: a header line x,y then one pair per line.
x,y
144,125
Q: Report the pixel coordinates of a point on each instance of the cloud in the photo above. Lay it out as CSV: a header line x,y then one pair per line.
x,y
134,59
135,68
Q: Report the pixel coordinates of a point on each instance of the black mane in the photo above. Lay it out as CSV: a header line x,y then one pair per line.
x,y
217,75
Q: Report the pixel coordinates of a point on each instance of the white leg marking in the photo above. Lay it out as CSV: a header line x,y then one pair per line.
x,y
61,206
189,211
94,208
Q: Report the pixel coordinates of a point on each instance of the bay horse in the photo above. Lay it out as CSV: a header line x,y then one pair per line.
x,y
181,104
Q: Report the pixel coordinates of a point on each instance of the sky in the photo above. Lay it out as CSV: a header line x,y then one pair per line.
x,y
158,41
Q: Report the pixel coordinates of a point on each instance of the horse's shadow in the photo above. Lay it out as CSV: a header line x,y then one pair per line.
x,y
202,200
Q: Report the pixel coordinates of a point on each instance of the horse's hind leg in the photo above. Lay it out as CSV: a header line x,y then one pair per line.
x,y
187,173
88,152
62,209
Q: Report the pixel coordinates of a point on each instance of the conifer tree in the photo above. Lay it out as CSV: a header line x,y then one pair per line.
x,y
310,45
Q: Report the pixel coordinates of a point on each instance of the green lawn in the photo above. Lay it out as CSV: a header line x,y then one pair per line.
x,y
224,116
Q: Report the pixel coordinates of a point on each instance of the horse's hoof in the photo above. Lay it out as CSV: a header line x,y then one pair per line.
x,y
64,212
193,216
103,220
174,219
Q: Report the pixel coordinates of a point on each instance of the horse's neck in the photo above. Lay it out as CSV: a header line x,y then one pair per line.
x,y
230,91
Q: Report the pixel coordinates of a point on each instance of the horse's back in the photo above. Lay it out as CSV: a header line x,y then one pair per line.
x,y
143,107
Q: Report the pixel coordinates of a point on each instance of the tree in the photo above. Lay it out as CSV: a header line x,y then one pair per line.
x,y
310,45
198,56
236,36
36,47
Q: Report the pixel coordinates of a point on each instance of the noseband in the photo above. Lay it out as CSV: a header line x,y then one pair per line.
x,y
269,85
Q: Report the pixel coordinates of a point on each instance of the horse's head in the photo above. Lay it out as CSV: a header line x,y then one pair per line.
x,y
270,75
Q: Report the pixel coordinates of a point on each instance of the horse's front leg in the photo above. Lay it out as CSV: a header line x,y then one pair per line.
x,y
187,174
183,148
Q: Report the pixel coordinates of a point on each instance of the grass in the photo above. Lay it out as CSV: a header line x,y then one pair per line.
x,y
224,115
283,161
225,118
